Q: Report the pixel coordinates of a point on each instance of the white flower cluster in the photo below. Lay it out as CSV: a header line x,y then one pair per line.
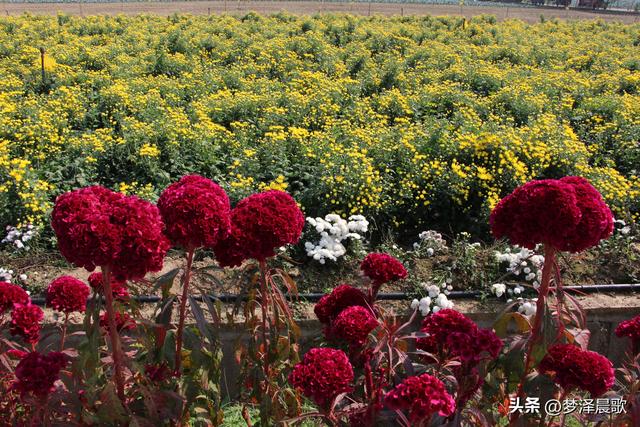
x,y
333,231
432,241
19,237
437,299
621,227
499,289
528,307
524,262
7,275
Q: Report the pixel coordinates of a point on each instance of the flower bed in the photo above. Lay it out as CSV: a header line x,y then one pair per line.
x,y
416,123
127,366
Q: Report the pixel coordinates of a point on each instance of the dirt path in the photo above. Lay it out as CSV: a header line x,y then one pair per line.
x,y
305,7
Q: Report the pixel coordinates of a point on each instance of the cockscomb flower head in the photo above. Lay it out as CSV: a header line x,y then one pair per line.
x,y
67,294
341,297
569,214
230,250
266,221
196,212
322,375
353,325
25,321
382,268
11,294
37,373
631,329
571,367
98,227
423,396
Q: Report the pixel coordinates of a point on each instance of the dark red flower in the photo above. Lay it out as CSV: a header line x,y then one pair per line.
x,y
230,251
266,221
143,245
596,222
124,322
98,227
568,214
196,212
630,328
81,221
67,294
118,287
487,340
343,296
353,325
382,268
571,367
36,373
322,375
442,324
11,294
423,396
25,321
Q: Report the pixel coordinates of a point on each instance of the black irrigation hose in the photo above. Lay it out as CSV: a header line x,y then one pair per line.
x,y
391,296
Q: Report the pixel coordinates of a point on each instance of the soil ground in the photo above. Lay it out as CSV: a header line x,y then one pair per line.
x,y
527,14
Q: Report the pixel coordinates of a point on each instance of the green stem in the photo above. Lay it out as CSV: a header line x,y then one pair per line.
x,y
183,308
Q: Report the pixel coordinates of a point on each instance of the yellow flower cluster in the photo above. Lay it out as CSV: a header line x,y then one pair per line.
x,y
407,120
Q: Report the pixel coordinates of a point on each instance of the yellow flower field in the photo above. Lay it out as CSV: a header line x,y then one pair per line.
x,y
411,121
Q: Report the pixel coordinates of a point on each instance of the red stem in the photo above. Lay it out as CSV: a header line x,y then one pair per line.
x,y
562,415
113,334
64,331
183,308
559,300
543,291
264,307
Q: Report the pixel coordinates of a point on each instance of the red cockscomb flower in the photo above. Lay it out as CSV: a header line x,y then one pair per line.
x,y
265,221
25,321
342,296
11,294
230,251
36,373
353,325
442,324
596,222
124,322
487,340
423,396
568,214
143,245
98,227
571,367
453,334
196,212
118,287
67,294
630,328
382,268
322,375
